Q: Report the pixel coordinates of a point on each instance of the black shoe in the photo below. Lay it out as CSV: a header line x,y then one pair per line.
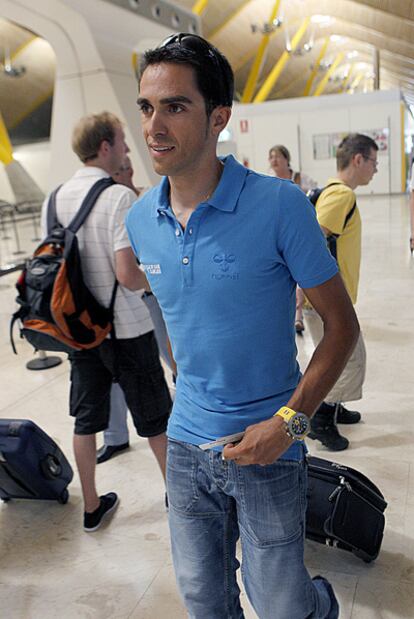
x,y
323,429
167,506
93,520
299,327
106,452
343,415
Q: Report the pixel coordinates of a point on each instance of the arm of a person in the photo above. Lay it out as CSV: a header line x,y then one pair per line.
x,y
172,360
128,272
326,231
264,442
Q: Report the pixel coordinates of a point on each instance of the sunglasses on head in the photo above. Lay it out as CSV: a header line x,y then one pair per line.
x,y
199,48
192,42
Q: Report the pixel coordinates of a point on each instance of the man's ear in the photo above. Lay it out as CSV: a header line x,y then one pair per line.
x,y
220,116
104,147
358,159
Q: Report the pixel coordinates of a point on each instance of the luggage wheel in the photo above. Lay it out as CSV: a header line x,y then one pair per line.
x,y
51,467
64,497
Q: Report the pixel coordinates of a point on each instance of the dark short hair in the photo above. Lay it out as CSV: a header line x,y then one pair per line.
x,y
282,150
353,144
213,73
91,131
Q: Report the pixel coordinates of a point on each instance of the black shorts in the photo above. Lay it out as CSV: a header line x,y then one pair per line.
x,y
140,376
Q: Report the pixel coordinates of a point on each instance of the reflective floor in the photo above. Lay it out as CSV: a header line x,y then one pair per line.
x,y
50,568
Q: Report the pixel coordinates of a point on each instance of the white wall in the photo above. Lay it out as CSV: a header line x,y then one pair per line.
x,y
294,122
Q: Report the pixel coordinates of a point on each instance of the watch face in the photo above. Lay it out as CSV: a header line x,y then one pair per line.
x,y
299,425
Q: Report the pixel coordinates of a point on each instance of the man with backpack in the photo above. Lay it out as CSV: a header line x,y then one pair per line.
x,y
339,218
131,357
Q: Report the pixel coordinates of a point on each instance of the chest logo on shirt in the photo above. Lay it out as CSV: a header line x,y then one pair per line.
x,y
152,269
225,264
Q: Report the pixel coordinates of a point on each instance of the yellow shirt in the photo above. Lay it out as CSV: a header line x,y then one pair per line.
x,y
331,210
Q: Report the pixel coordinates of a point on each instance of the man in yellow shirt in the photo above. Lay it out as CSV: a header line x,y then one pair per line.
x,y
339,218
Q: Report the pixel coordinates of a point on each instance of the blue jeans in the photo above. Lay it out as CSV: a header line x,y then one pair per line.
x,y
117,430
213,503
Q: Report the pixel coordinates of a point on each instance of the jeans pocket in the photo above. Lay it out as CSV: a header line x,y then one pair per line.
x,y
181,476
272,502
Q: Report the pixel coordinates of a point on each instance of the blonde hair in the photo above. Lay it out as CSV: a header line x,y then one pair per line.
x,y
91,131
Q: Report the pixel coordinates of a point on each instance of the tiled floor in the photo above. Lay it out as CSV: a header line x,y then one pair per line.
x,y
50,568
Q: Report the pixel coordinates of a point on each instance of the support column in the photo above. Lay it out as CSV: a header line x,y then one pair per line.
x,y
376,67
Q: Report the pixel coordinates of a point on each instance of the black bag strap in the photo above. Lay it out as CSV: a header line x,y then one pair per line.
x,y
349,214
52,221
89,202
84,210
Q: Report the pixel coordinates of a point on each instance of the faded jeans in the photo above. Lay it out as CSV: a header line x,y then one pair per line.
x,y
213,503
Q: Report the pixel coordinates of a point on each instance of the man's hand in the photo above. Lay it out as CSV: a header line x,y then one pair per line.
x,y
262,443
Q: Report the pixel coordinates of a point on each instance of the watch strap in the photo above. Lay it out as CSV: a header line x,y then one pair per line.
x,y
286,413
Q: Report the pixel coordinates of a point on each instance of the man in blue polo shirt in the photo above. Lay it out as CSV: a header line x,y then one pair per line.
x,y
223,249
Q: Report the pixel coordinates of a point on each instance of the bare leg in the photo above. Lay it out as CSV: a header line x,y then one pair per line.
x,y
158,445
84,447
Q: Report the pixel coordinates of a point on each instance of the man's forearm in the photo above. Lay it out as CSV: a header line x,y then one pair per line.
x,y
341,330
325,366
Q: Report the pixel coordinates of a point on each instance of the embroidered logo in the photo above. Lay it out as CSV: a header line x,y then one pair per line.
x,y
152,269
225,263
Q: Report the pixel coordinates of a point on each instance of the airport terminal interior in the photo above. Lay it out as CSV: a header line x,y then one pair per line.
x,y
307,72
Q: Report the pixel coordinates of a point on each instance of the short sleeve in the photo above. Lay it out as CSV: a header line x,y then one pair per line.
x,y
300,240
333,206
120,235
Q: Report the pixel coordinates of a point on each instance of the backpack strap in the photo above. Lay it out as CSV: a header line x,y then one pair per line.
x,y
89,202
52,221
349,214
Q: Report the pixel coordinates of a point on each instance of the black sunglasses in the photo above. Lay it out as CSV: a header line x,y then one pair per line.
x,y
200,48
192,42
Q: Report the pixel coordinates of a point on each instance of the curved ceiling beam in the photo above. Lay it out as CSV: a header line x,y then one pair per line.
x,y
199,7
258,61
229,19
324,81
280,64
316,67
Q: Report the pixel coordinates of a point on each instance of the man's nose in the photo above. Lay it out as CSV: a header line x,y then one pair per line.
x,y
157,124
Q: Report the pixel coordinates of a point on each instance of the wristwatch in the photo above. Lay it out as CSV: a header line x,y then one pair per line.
x,y
297,424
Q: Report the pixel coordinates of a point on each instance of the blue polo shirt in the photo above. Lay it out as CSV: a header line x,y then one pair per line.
x,y
226,286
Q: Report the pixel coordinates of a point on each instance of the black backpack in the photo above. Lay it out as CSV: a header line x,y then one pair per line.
x,y
57,310
313,196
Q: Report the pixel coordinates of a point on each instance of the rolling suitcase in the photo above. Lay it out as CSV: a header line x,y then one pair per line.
x,y
345,509
31,464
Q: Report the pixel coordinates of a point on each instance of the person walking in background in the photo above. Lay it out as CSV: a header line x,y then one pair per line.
x,y
340,221
219,244
279,159
116,436
99,142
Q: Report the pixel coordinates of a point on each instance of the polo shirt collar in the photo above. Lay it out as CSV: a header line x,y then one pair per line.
x,y
225,196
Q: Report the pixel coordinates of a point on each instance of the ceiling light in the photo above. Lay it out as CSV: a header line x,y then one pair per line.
x,y
352,54
337,38
322,20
